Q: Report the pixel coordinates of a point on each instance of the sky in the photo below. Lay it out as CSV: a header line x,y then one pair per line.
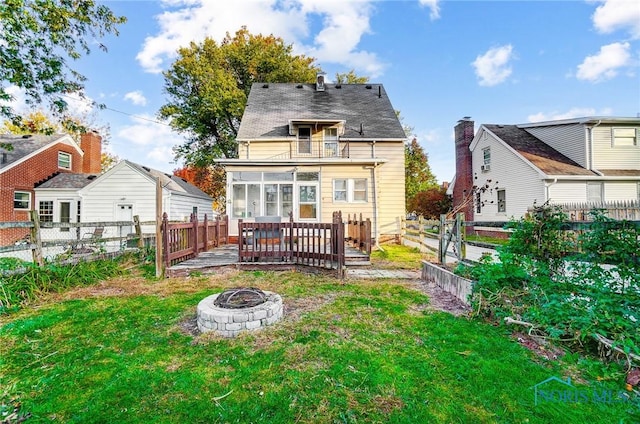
x,y
498,62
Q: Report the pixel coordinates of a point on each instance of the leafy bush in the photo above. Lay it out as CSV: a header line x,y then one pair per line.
x,y
569,286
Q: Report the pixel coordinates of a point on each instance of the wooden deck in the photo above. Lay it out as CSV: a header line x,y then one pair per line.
x,y
227,257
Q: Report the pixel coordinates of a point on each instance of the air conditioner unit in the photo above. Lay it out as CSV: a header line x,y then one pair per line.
x,y
485,168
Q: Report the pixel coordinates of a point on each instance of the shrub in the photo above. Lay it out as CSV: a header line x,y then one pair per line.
x,y
570,287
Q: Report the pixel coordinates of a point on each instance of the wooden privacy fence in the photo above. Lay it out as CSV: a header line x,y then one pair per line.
x,y
359,233
306,243
618,210
184,240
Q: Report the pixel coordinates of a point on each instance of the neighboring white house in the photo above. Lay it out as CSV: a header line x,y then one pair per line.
x,y
592,159
123,191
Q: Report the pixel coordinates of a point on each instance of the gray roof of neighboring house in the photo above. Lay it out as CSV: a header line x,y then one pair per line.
x,y
543,156
23,145
170,182
68,180
270,107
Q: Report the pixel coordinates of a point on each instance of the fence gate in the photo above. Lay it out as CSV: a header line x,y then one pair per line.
x,y
451,231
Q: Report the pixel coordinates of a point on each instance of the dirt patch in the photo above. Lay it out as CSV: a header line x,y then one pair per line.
x,y
539,346
440,300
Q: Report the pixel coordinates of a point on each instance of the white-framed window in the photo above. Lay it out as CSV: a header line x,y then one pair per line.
x,y
502,201
304,140
350,190
486,156
638,191
45,210
64,160
595,192
331,142
478,202
625,137
22,200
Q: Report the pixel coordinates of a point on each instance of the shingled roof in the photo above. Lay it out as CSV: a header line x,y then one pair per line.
x,y
541,155
23,145
169,181
270,108
68,180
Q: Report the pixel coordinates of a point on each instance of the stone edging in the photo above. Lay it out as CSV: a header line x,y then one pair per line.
x,y
230,322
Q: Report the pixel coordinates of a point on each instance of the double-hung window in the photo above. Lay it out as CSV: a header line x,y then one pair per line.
x,y
64,160
502,201
22,200
625,137
330,142
595,192
350,190
45,210
304,140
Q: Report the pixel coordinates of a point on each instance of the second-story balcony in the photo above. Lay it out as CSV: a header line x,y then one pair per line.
x,y
311,149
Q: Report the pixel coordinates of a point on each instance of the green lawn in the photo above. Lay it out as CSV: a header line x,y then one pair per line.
x,y
359,351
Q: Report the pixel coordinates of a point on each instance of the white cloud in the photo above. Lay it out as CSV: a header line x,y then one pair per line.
x,y
343,23
19,99
147,142
492,67
605,63
136,97
434,6
576,112
612,15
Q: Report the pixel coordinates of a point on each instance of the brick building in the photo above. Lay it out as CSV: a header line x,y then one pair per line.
x,y
32,159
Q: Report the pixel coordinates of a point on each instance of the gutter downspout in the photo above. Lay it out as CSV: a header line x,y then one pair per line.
x,y
546,187
375,197
590,146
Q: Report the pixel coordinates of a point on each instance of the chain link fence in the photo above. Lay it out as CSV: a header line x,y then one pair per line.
x,y
69,242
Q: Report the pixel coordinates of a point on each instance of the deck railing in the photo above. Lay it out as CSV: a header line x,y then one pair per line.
x,y
184,240
307,243
359,233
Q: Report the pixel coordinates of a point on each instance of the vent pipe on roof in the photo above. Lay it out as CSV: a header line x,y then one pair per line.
x,y
4,158
320,81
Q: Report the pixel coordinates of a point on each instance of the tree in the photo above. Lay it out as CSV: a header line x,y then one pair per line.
x,y
39,122
38,38
350,78
430,203
210,179
418,175
208,85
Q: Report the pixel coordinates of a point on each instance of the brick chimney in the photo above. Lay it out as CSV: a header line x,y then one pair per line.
x,y
91,145
464,133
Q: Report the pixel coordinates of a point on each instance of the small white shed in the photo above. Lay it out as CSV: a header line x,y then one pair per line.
x,y
126,190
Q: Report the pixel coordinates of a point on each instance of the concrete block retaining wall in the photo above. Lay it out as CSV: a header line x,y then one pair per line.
x,y
458,286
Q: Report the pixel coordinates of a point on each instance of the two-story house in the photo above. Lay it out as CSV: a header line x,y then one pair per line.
x,y
312,149
591,159
32,159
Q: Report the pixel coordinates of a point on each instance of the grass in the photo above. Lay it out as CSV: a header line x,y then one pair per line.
x,y
360,351
395,256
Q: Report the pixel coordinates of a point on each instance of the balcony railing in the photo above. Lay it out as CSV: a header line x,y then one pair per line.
x,y
301,149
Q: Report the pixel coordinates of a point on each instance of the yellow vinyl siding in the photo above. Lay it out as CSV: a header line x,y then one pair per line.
x,y
608,156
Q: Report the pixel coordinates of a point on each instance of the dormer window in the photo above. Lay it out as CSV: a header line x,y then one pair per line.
x,y
304,140
64,160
